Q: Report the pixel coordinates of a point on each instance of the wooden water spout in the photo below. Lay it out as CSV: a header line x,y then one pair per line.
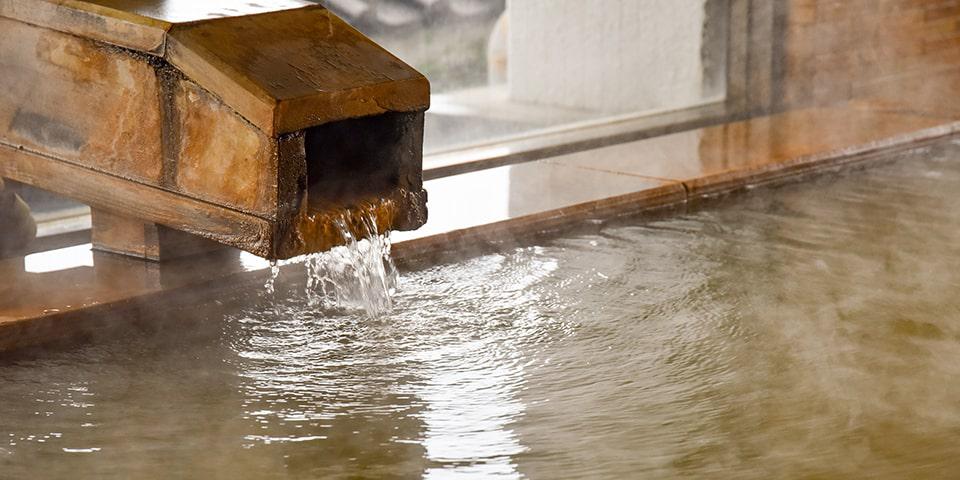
x,y
182,122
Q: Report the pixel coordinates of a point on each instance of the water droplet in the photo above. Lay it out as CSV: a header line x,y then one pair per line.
x,y
270,286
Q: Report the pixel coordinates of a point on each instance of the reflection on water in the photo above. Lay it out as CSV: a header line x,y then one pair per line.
x,y
809,331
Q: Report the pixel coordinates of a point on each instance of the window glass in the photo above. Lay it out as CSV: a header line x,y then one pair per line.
x,y
503,68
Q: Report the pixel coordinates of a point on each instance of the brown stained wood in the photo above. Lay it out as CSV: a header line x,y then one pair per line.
x,y
151,204
17,227
285,66
743,174
89,20
322,227
310,230
119,234
207,131
290,70
135,238
219,157
80,101
407,95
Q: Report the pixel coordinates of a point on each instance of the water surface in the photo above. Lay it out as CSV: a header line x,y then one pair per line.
x,y
807,331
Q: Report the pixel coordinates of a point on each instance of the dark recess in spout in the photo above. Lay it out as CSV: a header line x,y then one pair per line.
x,y
362,159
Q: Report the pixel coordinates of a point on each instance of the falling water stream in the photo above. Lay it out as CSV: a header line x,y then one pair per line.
x,y
358,275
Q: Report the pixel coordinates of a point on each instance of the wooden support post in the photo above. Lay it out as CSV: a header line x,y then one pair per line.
x,y
128,236
17,227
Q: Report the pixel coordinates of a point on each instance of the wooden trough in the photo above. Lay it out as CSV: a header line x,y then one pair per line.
x,y
182,121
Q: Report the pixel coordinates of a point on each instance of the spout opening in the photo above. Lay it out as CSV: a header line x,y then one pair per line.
x,y
358,160
364,176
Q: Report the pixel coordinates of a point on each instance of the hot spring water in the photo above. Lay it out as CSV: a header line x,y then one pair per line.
x,y
806,331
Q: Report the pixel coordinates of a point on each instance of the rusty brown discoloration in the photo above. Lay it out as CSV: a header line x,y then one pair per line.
x,y
170,134
220,157
321,227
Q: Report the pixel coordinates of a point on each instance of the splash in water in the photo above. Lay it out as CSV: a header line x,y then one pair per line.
x,y
358,275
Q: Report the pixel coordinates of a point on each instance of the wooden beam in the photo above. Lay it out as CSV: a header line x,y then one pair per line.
x,y
17,228
135,238
120,196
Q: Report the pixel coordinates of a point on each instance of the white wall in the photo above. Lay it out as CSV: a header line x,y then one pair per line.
x,y
606,55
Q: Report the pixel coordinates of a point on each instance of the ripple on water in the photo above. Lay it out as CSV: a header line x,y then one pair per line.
x,y
804,331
